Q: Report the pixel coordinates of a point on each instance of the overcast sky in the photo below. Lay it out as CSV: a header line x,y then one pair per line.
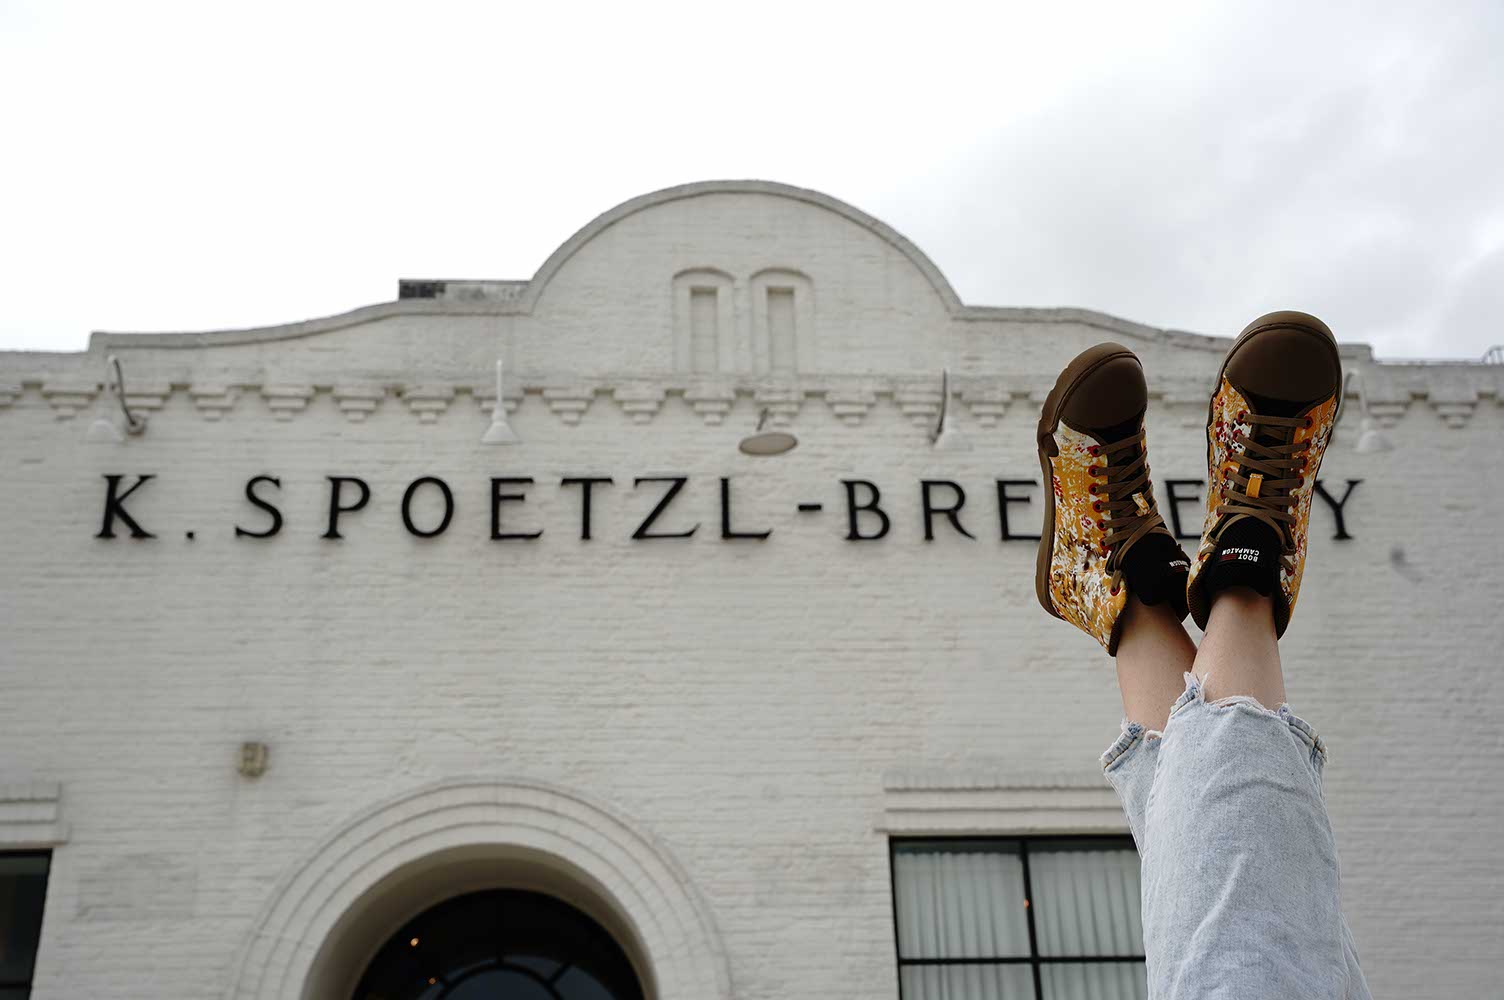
x,y
201,165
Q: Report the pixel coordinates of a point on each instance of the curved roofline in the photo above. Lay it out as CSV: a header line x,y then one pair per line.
x,y
104,339
610,217
535,287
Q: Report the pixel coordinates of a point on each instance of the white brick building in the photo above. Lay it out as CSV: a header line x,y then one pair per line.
x,y
704,744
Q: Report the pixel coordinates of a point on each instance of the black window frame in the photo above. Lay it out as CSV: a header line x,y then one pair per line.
x,y
1022,842
46,855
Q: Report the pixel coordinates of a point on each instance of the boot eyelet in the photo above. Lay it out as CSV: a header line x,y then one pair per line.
x,y
1242,415
1093,471
1101,525
1092,489
1308,421
1096,505
1115,591
1094,450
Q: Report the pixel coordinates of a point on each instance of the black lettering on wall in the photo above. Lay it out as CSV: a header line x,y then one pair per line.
x,y
726,530
497,497
336,487
1337,507
586,483
952,513
1176,499
276,515
407,499
1003,500
114,506
853,527
673,491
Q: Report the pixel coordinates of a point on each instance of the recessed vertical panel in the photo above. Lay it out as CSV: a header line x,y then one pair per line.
x,y
782,330
704,329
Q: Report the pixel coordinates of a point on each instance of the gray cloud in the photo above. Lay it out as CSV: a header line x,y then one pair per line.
x,y
1176,163
1350,169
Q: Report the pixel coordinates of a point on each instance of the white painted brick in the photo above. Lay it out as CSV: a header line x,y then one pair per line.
x,y
740,700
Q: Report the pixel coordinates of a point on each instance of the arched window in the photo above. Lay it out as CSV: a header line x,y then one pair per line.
x,y
704,321
783,314
500,944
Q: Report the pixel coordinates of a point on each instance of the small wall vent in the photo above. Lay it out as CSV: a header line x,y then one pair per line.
x,y
420,289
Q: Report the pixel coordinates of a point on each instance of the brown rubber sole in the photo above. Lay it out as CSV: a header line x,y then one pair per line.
x,y
1284,318
1049,420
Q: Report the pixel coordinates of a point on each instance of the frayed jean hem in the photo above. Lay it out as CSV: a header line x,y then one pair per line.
x,y
1133,736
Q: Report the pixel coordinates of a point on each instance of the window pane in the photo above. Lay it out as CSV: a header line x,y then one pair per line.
x,y
1094,981
1086,898
960,900
967,982
23,890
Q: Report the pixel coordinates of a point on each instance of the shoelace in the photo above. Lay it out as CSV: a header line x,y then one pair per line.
x,y
1125,499
1257,487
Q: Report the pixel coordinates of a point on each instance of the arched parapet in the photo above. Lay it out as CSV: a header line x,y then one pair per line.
x,y
314,926
884,232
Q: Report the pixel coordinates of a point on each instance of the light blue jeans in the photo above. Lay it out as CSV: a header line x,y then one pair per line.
x,y
1241,890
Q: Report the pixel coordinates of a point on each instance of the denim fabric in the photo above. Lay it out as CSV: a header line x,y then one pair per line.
x,y
1240,879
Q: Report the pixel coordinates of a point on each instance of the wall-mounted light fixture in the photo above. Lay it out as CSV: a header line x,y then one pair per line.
x,y
253,758
761,442
500,431
108,428
1370,438
945,437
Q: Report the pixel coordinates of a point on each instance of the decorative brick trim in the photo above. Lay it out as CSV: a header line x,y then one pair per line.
x,y
711,400
1453,392
782,403
639,400
485,396
358,401
67,398
677,932
213,400
1455,414
569,402
987,405
946,802
286,401
850,405
428,401
920,404
31,815
147,397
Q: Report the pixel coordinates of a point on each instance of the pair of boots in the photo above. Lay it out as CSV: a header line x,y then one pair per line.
x,y
1267,427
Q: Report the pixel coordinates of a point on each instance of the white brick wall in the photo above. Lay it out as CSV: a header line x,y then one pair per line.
x,y
741,700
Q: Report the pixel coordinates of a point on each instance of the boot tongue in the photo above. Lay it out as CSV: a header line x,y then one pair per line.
x,y
1156,566
1248,552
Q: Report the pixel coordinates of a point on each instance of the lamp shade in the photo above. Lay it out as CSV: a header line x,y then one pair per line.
x,y
1371,439
768,443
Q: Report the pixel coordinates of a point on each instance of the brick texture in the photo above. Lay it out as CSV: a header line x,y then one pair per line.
x,y
741,699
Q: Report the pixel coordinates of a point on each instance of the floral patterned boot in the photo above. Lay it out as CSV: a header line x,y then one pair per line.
x,y
1267,429
1103,537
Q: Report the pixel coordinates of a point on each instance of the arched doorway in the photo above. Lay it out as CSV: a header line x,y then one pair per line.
x,y
500,944
339,904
